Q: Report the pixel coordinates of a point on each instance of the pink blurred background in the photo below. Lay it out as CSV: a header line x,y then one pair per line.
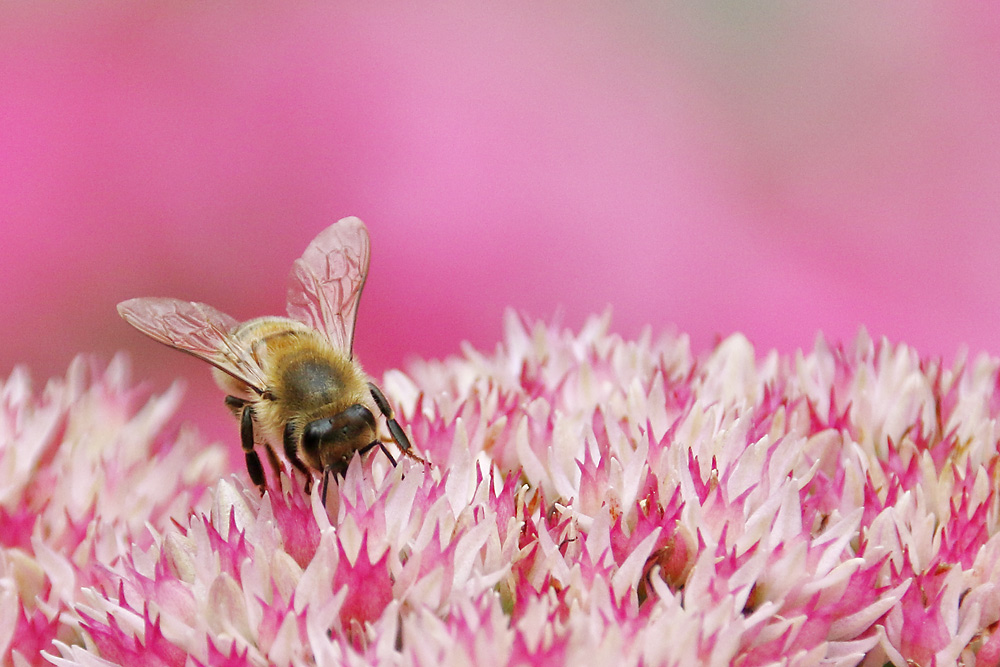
x,y
775,169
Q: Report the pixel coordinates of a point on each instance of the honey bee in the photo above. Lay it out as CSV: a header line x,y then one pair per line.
x,y
290,380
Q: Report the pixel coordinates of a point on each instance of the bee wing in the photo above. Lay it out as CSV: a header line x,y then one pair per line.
x,y
195,328
326,282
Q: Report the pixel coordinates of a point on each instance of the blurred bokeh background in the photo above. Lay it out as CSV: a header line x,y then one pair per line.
x,y
777,169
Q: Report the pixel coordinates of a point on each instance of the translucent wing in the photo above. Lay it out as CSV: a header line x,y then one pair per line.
x,y
195,328
326,282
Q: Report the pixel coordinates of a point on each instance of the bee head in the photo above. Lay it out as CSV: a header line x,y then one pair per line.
x,y
333,440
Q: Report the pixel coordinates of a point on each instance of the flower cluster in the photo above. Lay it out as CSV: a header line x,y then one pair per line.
x,y
85,467
585,500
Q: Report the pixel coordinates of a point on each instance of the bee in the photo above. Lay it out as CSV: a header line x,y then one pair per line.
x,y
290,380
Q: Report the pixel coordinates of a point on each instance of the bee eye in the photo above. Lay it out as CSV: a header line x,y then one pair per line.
x,y
315,432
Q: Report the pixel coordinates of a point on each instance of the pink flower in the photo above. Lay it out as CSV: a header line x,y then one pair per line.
x,y
589,500
86,466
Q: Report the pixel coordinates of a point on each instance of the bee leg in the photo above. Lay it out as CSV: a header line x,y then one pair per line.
x,y
254,467
394,428
272,459
235,405
292,453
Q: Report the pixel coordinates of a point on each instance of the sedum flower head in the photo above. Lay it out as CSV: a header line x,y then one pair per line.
x,y
86,466
588,500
